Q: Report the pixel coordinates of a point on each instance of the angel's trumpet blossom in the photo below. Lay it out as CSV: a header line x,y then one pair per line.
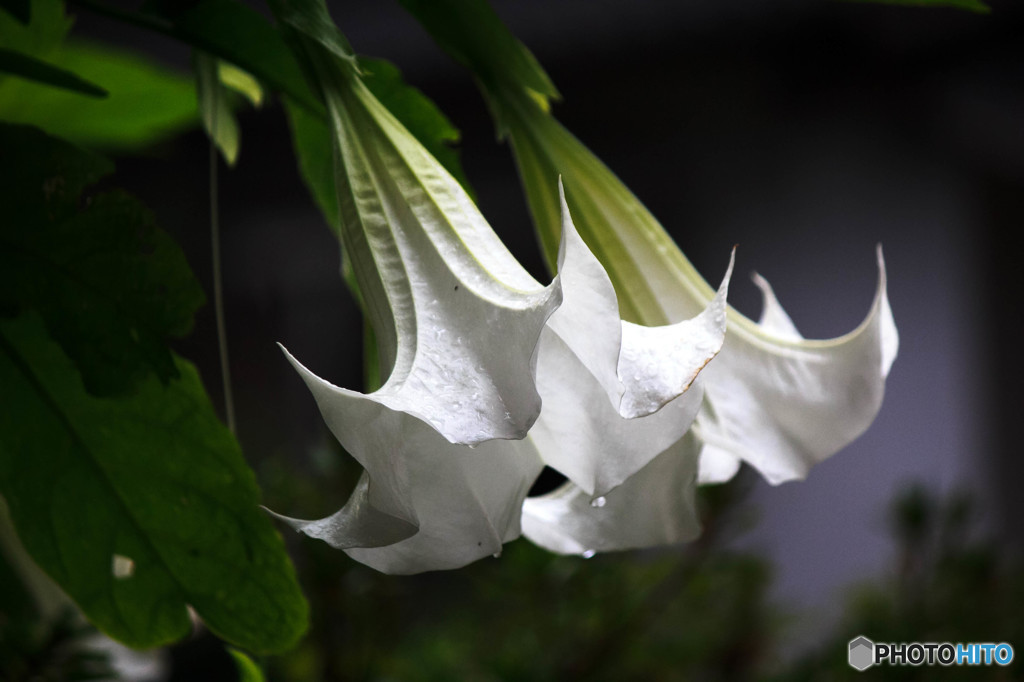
x,y
471,344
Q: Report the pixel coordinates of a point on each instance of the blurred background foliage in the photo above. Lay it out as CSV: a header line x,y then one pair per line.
x,y
700,612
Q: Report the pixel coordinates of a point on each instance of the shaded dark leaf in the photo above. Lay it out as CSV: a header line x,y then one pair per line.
x,y
30,68
139,506
243,37
19,9
111,287
473,34
311,140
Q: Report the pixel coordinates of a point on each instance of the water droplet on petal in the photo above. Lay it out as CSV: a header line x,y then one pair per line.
x,y
587,554
497,555
471,446
598,502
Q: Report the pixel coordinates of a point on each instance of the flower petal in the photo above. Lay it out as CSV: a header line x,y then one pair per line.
x,y
659,363
469,501
581,435
777,401
423,503
615,394
588,320
784,404
774,319
357,524
653,507
460,317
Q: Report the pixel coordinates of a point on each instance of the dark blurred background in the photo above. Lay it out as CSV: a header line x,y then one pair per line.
x,y
806,132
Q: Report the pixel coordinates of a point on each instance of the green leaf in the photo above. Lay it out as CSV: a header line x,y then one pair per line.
x,y
227,29
218,119
146,102
248,671
17,604
111,287
313,21
139,506
19,9
473,34
972,5
312,142
241,82
38,37
243,37
18,64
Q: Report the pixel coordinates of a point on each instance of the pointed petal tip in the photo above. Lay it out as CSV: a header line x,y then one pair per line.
x,y
890,335
293,523
291,358
774,318
719,303
837,383
311,379
568,228
717,310
729,269
880,257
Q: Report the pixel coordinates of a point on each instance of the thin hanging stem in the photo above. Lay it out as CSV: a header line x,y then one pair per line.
x,y
218,293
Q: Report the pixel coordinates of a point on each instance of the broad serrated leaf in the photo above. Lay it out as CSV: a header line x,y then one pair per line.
x,y
28,67
218,119
111,287
139,506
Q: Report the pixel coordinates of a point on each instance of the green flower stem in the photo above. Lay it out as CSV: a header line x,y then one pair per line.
x,y
218,289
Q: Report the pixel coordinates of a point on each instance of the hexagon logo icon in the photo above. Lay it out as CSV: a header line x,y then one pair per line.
x,y
862,653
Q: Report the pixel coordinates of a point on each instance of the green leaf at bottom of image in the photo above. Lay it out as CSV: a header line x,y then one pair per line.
x,y
139,506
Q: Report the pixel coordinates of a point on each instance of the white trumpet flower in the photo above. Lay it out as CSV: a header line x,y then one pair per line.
x,y
771,398
473,345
